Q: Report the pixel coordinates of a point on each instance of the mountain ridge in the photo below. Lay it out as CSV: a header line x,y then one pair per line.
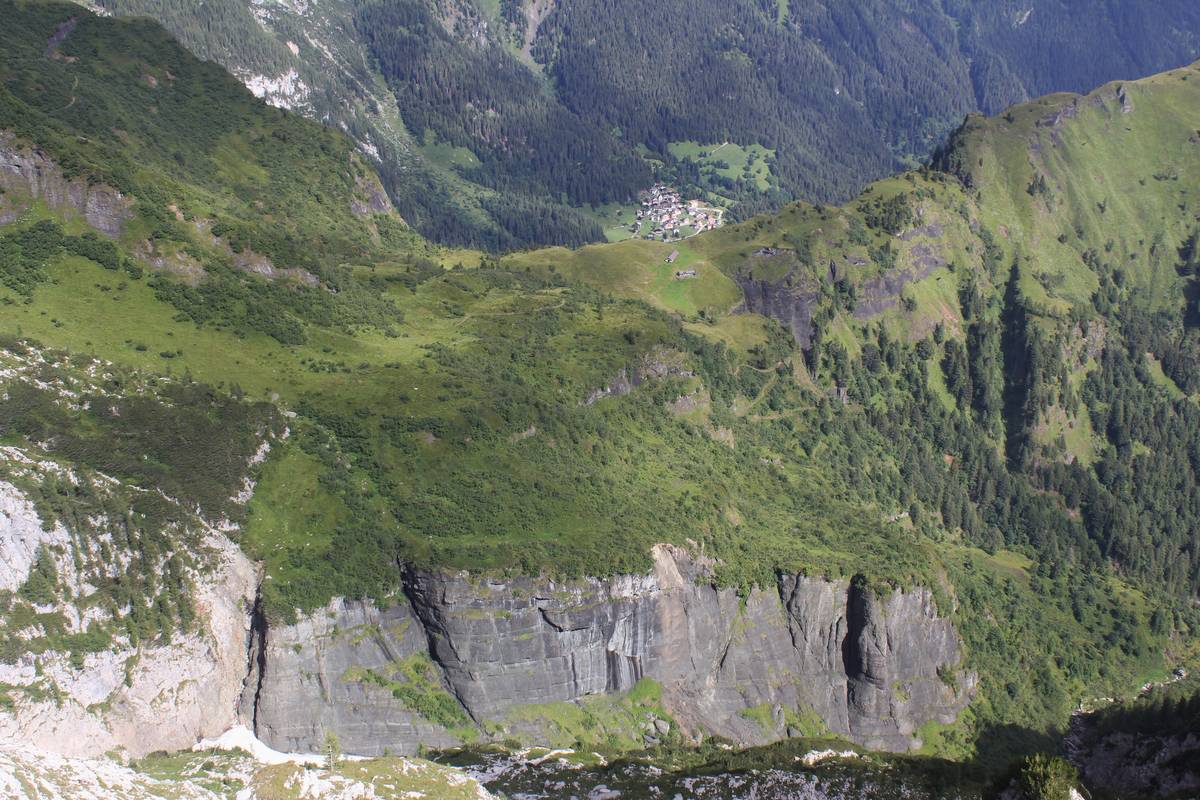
x,y
444,165
970,415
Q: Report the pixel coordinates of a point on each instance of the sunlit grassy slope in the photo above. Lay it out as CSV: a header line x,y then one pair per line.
x,y
442,414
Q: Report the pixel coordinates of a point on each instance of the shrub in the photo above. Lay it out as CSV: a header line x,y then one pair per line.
x,y
1046,777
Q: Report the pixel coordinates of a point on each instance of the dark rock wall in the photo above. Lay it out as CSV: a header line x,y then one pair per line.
x,y
792,308
869,666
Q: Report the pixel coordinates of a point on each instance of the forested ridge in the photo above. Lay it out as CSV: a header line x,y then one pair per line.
x,y
579,106
482,98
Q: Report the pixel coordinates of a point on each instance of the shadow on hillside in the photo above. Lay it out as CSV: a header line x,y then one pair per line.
x,y
1000,750
670,771
675,769
1191,311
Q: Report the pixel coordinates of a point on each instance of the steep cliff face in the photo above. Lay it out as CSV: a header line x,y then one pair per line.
x,y
791,307
27,174
124,604
653,366
332,672
873,668
1138,764
136,698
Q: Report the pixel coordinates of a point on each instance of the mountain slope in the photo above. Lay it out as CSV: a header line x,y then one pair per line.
x,y
1042,288
317,59
838,90
505,490
492,122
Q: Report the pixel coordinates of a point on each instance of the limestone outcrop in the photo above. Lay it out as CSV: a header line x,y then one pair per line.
x,y
455,656
873,667
28,174
135,699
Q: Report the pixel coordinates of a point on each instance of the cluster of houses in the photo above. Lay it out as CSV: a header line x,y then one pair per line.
x,y
666,217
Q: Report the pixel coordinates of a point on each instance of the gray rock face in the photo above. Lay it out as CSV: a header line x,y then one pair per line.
x,y
653,366
320,675
31,173
1135,758
791,307
1139,765
792,299
370,197
883,292
869,666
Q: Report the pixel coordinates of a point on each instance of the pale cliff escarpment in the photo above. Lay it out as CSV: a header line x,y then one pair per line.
x,y
64,695
874,668
124,603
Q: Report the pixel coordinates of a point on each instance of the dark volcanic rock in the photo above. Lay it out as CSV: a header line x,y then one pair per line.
x,y
868,665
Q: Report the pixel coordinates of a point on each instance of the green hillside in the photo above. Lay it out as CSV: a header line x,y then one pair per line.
x,y
499,123
1019,325
966,401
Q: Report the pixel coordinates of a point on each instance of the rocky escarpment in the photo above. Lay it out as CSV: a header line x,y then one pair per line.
x,y
369,196
1140,765
874,668
124,604
27,174
1145,747
330,672
793,299
922,257
791,307
655,365
129,697
234,766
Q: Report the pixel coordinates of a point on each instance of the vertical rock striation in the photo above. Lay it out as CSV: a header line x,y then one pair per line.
x,y
871,667
329,672
28,174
